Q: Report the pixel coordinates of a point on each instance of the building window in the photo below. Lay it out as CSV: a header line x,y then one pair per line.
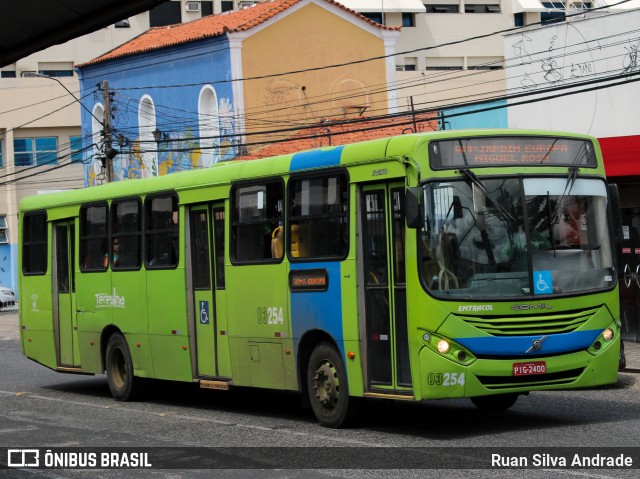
x,y
56,73
553,17
209,125
408,19
482,8
442,8
257,222
318,212
167,13
206,8
581,6
4,237
122,24
34,244
8,74
1,162
35,151
518,19
446,68
148,146
226,6
75,144
373,16
161,232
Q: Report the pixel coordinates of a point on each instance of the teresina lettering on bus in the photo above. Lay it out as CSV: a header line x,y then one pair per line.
x,y
475,307
106,300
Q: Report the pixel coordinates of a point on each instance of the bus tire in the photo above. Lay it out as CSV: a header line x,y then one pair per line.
x,y
123,384
495,402
327,387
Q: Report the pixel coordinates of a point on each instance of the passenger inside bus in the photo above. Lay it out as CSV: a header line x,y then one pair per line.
x,y
116,252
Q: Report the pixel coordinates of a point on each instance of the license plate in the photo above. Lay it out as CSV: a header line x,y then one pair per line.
x,y
528,369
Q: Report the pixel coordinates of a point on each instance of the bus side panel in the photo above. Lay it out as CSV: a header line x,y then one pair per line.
x,y
130,314
259,327
222,343
89,348
350,326
326,311
93,291
168,332
36,319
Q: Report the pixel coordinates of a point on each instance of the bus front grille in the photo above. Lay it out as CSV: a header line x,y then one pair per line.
x,y
551,379
526,325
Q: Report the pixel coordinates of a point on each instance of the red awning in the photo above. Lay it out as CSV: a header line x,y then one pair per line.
x,y
621,155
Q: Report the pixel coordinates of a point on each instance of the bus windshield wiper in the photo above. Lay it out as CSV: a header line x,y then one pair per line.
x,y
568,186
476,181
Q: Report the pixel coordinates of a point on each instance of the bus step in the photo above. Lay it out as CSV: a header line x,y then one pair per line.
x,y
395,395
219,385
72,370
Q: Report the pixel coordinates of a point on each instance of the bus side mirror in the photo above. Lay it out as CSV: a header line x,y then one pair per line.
x,y
412,208
616,214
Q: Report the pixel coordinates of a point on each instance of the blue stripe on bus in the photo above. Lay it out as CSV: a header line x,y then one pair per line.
x,y
519,345
318,310
316,158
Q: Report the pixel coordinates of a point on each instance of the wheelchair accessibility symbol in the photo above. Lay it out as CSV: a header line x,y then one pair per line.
x,y
542,282
204,312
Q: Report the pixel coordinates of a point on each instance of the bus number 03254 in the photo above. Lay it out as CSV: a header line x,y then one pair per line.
x,y
271,315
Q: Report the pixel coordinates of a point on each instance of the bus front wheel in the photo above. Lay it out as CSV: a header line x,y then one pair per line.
x,y
327,387
123,384
495,402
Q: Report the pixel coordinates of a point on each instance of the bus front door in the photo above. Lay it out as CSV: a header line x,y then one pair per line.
x,y
386,340
207,291
65,324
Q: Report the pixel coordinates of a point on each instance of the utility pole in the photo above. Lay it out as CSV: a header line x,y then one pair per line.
x,y
106,129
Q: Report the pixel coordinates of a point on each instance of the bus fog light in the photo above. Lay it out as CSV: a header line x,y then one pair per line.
x,y
462,355
443,346
426,337
597,345
607,334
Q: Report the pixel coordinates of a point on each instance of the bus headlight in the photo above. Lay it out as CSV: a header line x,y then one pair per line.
x,y
444,346
606,336
447,348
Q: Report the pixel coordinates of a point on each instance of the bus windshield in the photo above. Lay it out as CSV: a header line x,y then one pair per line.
x,y
515,237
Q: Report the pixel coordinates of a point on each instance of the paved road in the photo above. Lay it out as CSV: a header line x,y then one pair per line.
x,y
42,408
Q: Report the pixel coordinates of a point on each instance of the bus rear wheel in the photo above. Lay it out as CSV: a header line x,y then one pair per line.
x,y
123,384
495,402
327,387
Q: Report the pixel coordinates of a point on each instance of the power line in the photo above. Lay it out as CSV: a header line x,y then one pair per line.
x,y
369,59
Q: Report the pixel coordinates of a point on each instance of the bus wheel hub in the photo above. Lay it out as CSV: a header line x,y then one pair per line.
x,y
326,384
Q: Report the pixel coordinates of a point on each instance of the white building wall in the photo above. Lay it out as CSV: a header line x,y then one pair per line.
x,y
573,52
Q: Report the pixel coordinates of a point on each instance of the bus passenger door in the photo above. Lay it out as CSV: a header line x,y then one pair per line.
x,y
64,294
386,340
209,318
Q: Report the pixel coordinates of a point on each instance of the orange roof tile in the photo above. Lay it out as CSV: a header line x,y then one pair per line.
x,y
343,133
210,26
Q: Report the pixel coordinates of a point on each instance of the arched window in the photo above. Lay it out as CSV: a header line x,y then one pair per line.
x,y
96,133
148,146
209,123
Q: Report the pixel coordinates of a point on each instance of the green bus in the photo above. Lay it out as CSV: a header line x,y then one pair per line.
x,y
446,264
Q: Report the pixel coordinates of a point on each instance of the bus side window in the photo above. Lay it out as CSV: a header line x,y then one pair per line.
x,y
318,212
256,227
161,232
93,237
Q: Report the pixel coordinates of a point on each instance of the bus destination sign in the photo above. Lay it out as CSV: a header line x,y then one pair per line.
x,y
511,151
308,280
